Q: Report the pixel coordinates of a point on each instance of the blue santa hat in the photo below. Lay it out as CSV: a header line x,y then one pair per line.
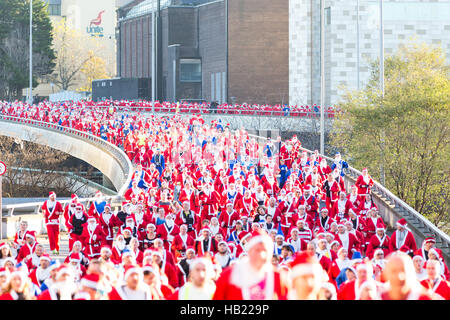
x,y
280,232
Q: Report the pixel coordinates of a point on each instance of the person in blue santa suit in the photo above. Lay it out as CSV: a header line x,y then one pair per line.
x,y
339,164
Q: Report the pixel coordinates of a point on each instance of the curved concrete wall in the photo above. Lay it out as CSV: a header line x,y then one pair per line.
x,y
98,153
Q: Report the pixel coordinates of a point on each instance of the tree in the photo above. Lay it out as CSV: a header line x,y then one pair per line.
x,y
78,57
14,39
414,117
93,69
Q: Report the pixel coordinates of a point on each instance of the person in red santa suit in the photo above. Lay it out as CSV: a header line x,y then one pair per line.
x,y
216,229
209,202
71,208
438,287
347,240
205,243
364,183
92,237
188,217
270,184
132,288
427,244
403,284
42,272
134,191
247,205
52,210
306,277
350,290
181,242
167,231
324,220
433,254
133,247
108,221
402,237
18,287
228,218
252,277
294,239
118,249
370,224
379,240
168,269
360,247
331,189
29,247
200,284
353,196
341,207
187,193
183,266
310,202
19,237
302,215
340,263
324,169
274,210
141,219
366,205
98,205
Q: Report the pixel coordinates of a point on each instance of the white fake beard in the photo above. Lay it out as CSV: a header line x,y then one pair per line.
x,y
91,227
121,245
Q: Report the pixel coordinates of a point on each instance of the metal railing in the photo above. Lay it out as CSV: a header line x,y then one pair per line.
x,y
226,111
402,209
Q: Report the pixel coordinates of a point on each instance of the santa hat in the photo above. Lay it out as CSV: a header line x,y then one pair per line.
x,y
31,234
128,253
108,206
229,203
259,236
402,223
91,218
244,235
132,269
304,263
334,242
148,268
74,197
3,245
45,256
190,248
429,239
125,230
52,193
435,252
377,251
380,226
321,238
106,247
340,249
222,242
75,257
90,280
4,272
62,270
205,228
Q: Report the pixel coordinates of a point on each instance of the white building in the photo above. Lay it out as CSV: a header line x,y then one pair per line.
x,y
404,21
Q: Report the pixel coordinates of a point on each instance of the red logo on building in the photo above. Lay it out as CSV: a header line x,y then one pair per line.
x,y
97,21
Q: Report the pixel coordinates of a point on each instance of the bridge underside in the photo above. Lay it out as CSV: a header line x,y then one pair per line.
x,y
81,149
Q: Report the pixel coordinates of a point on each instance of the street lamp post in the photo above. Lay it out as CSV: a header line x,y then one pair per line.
x,y
382,180
357,44
322,76
30,92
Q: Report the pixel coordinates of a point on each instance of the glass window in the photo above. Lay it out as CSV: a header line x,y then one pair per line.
x,y
54,9
190,70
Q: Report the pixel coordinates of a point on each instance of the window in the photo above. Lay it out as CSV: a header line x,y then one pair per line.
x,y
328,15
190,70
54,9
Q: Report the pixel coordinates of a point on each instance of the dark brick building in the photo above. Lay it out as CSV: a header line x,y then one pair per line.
x,y
223,50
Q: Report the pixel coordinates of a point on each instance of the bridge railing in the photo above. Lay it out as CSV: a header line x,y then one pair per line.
x,y
421,225
226,111
114,151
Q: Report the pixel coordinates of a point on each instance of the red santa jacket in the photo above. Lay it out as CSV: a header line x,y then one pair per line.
x,y
108,225
52,217
92,240
364,185
25,250
352,243
247,206
311,204
179,246
306,218
408,241
440,287
227,288
376,242
340,209
167,234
